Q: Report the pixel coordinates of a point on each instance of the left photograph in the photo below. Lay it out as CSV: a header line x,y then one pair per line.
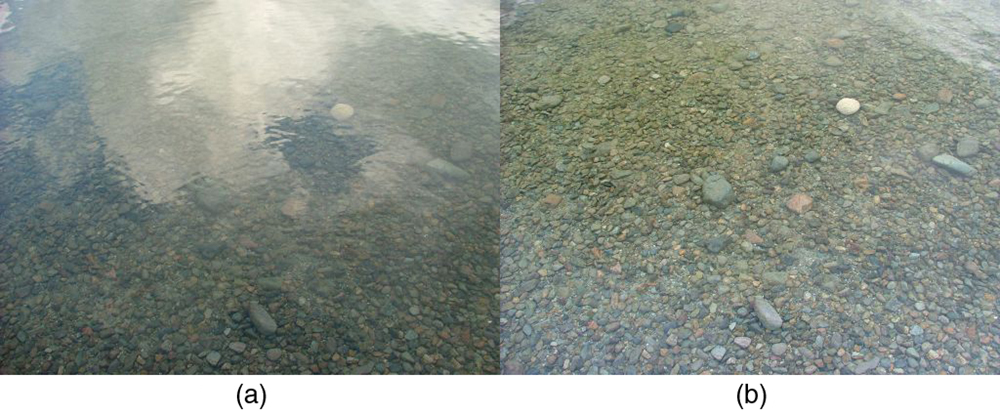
x,y
249,187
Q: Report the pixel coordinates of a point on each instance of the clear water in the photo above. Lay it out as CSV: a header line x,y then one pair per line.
x,y
165,165
616,117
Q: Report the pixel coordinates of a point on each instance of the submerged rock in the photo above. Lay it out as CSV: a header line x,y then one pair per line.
x,y
547,102
848,106
717,191
447,169
261,319
954,165
342,112
967,147
766,313
778,163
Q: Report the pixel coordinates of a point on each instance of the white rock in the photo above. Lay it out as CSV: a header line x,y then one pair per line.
x,y
342,112
848,106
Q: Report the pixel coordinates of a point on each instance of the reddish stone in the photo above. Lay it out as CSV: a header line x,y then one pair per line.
x,y
752,237
800,203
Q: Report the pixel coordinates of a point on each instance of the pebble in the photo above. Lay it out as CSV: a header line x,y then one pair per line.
x,y
800,203
261,319
982,102
968,147
766,313
928,151
447,169
833,61
237,346
414,310
603,80
953,164
865,366
742,342
674,27
716,244
916,330
945,96
778,163
717,191
719,352
552,199
718,7
213,358
848,106
274,354
812,156
779,349
342,112
776,277
548,102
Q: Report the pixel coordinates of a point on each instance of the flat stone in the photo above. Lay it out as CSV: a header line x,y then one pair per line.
x,y
776,277
865,366
261,319
953,164
717,191
269,283
718,7
779,349
766,313
548,102
833,61
447,169
715,244
945,96
237,346
928,151
213,358
552,199
982,102
800,203
968,147
743,342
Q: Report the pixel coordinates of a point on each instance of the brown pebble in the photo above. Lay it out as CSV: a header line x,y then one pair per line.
x,y
752,237
552,199
835,43
800,203
899,96
945,95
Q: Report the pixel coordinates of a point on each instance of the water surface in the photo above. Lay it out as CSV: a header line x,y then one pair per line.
x,y
166,165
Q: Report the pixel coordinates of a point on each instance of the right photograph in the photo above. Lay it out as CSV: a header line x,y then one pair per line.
x,y
750,187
